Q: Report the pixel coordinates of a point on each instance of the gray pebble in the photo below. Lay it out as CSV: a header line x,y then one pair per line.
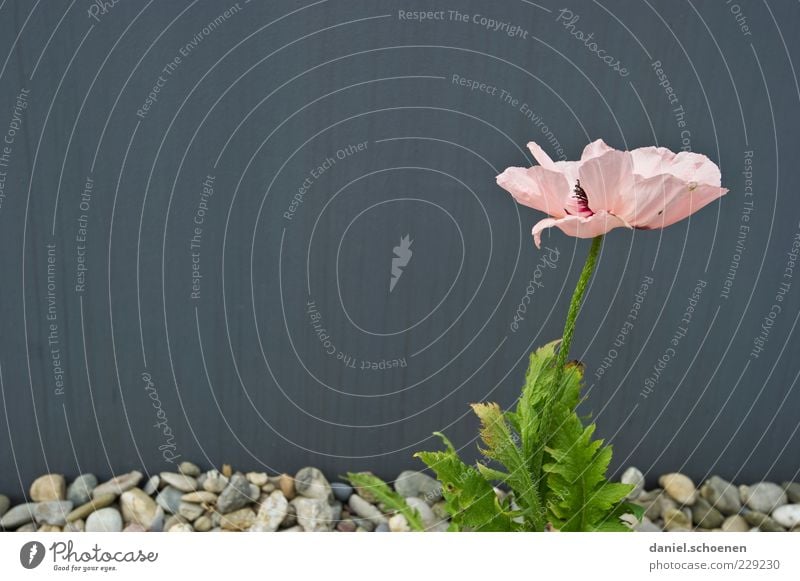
x,y
169,499
341,491
792,491
151,486
104,520
763,496
311,483
189,469
412,483
19,515
52,512
80,491
722,495
119,484
238,494
634,477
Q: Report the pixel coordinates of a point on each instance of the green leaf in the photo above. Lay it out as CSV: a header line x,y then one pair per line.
x,y
579,497
501,445
469,498
387,496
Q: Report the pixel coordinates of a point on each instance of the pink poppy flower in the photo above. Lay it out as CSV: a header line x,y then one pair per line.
x,y
649,187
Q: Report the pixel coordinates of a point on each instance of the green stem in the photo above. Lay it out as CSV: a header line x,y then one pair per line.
x,y
574,309
561,359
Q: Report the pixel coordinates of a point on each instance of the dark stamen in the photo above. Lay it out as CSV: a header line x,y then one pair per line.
x,y
580,194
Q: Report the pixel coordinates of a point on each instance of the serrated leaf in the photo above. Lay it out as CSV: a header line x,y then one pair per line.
x,y
469,498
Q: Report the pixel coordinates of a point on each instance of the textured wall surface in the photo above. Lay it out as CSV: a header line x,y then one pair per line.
x,y
201,203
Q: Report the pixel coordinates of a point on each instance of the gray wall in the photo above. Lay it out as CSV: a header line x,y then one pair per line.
x,y
263,98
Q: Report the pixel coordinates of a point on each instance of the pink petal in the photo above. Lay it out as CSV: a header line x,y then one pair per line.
x,y
690,203
578,226
595,149
652,161
664,199
537,188
541,156
607,179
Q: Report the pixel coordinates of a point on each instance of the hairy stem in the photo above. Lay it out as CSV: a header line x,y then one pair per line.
x,y
574,309
561,359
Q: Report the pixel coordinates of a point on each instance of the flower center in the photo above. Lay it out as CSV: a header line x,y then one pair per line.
x,y
580,203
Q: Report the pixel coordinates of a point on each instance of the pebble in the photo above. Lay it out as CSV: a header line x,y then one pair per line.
x,y
426,514
346,526
27,528
152,484
80,491
634,477
382,528
49,529
5,503
215,482
647,526
272,512
763,522
157,525
189,469
203,524
76,526
313,514
134,528
182,482
200,496
365,510
52,512
84,510
105,520
676,520
181,527
311,483
49,487
119,484
651,503
138,507
172,521
19,515
792,491
286,484
296,529
722,495
291,517
257,478
190,511
169,499
787,515
412,483
238,494
762,496
706,516
680,487
341,491
363,524
398,524
735,524
238,520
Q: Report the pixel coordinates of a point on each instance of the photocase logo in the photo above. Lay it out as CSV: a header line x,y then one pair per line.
x,y
402,256
31,554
